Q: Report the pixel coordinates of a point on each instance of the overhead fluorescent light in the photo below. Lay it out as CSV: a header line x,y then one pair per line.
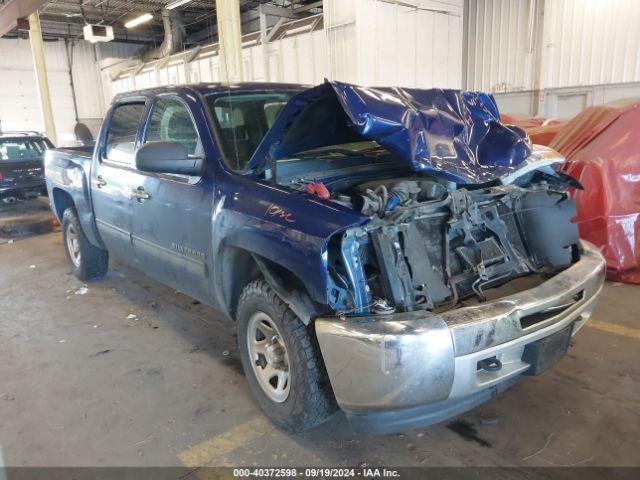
x,y
176,4
138,19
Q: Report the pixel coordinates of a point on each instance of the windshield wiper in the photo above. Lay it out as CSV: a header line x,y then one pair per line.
x,y
338,151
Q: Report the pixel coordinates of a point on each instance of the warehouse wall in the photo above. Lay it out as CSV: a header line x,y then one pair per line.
x,y
584,42
19,104
589,42
500,45
553,57
411,43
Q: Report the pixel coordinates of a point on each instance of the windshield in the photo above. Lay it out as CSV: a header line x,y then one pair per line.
x,y
243,120
22,150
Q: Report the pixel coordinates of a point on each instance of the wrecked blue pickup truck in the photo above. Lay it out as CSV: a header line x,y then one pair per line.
x,y
397,253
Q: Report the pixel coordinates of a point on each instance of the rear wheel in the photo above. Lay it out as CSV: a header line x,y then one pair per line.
x,y
281,361
87,261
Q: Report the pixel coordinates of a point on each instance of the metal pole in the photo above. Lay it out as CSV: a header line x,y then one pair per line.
x,y
230,41
263,43
537,10
37,51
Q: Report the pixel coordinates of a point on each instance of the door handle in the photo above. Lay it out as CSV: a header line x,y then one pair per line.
x,y
140,194
99,182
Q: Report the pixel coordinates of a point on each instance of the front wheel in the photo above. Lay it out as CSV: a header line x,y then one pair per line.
x,y
281,361
87,261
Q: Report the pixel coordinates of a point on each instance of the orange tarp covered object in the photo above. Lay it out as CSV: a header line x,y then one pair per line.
x,y
602,147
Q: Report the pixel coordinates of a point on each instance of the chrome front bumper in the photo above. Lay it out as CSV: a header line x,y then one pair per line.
x,y
396,367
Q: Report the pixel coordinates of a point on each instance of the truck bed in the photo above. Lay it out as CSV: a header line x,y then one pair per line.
x,y
82,151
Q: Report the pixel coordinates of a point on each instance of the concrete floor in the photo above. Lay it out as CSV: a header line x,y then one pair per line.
x,y
84,383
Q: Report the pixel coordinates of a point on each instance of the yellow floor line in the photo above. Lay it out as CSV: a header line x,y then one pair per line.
x,y
617,329
217,447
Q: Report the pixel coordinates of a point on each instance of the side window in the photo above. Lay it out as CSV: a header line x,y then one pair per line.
x,y
170,121
121,136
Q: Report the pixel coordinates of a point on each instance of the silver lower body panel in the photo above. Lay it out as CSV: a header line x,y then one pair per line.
x,y
387,366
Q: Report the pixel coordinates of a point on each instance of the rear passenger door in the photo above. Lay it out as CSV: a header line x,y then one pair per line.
x,y
112,175
171,227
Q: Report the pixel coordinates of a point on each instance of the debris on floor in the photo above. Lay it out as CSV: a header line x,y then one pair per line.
x,y
490,420
102,352
83,290
546,444
132,316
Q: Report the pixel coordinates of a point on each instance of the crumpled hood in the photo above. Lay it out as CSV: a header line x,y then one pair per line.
x,y
451,133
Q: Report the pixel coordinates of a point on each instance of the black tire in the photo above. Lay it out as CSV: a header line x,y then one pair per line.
x,y
310,400
93,262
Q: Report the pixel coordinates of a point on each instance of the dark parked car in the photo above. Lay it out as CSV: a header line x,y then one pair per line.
x,y
22,165
397,252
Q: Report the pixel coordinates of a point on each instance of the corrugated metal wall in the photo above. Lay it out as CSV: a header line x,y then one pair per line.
x,y
299,58
583,42
500,45
577,53
412,43
588,42
386,42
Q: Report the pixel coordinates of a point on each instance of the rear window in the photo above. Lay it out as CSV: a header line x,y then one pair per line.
x,y
243,119
22,150
123,128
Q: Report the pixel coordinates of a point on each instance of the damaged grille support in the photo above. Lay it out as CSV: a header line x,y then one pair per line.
x,y
435,255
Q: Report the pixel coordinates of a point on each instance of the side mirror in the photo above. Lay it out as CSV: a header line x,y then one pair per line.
x,y
167,157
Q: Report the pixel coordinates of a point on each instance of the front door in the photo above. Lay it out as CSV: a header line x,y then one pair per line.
x,y
112,176
172,214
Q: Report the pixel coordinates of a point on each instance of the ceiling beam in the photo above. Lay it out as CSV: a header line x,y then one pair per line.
x,y
307,7
275,11
15,9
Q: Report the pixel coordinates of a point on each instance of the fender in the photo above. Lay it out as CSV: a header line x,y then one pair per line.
x,y
288,228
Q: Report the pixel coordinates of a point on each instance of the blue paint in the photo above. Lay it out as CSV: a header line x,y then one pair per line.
x,y
222,211
451,133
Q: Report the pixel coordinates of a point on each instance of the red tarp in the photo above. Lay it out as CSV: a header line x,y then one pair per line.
x,y
602,147
521,120
540,130
544,134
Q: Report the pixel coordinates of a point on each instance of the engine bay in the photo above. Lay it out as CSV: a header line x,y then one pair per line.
x,y
429,246
430,243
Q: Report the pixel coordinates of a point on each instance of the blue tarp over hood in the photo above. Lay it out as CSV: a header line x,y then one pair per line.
x,y
451,133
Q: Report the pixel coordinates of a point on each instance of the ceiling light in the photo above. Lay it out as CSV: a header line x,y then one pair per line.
x,y
138,19
176,4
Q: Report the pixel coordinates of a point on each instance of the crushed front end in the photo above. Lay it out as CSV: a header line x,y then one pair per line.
x,y
466,271
450,293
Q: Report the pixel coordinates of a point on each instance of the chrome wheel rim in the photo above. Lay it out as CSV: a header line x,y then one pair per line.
x,y
73,245
269,358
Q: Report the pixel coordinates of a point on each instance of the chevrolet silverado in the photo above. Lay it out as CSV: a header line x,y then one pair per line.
x,y
397,253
